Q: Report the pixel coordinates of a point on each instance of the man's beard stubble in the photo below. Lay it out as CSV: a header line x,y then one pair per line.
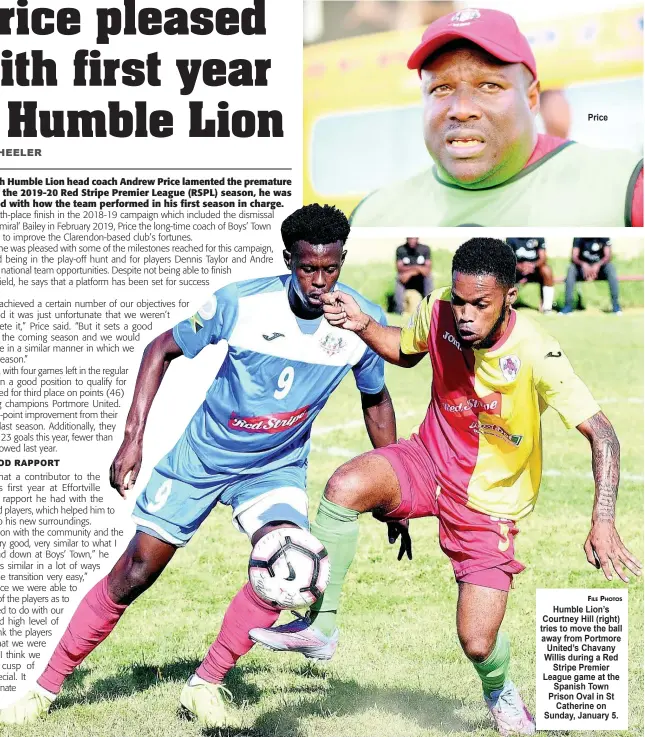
x,y
490,339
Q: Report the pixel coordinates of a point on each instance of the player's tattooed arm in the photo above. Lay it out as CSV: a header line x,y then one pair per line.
x,y
603,547
605,461
154,364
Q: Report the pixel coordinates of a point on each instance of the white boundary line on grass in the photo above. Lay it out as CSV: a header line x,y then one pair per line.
x,y
317,432
577,474
554,472
320,431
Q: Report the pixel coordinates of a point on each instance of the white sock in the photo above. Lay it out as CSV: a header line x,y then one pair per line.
x,y
195,680
547,298
45,692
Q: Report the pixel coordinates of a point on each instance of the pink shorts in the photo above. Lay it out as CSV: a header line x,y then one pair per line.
x,y
480,547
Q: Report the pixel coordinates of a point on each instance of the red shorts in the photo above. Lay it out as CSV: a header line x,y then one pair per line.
x,y
480,547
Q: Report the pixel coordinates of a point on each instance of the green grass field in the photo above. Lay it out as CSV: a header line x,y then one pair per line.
x,y
399,670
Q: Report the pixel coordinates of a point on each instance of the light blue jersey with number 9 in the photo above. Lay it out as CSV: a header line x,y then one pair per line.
x,y
277,375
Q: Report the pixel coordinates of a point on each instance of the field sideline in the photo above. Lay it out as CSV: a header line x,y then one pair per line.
x,y
399,670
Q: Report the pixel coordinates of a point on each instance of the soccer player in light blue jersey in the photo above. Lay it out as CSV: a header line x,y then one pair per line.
x,y
246,446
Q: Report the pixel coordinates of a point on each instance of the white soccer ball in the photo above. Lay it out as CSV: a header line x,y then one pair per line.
x,y
289,568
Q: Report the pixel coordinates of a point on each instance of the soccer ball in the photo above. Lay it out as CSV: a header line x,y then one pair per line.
x,y
289,568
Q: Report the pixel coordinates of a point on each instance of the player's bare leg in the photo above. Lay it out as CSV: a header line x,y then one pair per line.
x,y
204,696
547,289
480,611
97,615
139,567
365,484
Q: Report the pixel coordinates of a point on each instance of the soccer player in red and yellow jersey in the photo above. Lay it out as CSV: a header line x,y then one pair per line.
x,y
476,462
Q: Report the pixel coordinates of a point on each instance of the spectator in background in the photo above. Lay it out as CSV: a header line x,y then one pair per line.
x,y
591,261
413,272
532,267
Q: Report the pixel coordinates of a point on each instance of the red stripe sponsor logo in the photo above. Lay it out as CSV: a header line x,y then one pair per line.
x,y
278,422
490,404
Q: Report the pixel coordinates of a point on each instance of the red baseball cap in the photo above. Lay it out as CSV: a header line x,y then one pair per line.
x,y
494,31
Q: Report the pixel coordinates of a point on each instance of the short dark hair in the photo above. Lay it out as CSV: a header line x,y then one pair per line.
x,y
486,256
315,224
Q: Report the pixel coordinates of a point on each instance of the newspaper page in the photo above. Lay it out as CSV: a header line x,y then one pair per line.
x,y
230,232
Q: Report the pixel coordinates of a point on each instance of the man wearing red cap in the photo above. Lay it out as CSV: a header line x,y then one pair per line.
x,y
481,96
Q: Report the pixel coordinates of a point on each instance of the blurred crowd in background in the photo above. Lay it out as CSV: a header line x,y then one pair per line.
x,y
591,260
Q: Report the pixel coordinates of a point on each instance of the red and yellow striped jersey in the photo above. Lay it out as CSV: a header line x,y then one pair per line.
x,y
482,428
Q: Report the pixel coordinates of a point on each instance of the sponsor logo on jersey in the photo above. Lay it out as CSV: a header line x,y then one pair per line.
x,y
510,366
273,336
522,252
332,344
486,428
451,339
528,254
277,422
491,404
551,354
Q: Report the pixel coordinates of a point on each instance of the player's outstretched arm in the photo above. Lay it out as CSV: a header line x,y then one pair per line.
x,y
342,311
603,546
154,363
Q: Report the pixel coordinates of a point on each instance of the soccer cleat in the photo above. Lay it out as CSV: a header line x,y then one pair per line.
x,y
32,706
566,310
207,703
299,636
616,310
509,712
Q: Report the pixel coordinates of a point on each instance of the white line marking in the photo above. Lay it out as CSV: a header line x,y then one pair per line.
x,y
552,472
337,452
317,432
588,475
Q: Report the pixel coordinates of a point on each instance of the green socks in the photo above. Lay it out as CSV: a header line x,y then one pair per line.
x,y
494,669
337,529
